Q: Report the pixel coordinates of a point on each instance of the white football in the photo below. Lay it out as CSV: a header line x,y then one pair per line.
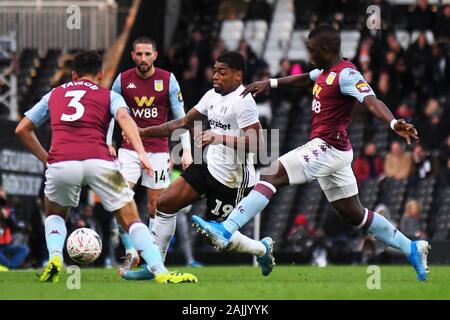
x,y
84,245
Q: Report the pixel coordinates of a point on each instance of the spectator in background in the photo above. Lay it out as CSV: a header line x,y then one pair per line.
x,y
368,165
258,10
410,224
398,163
440,69
422,17
287,94
422,162
419,62
250,58
12,256
231,10
395,63
430,125
384,93
404,111
189,83
442,25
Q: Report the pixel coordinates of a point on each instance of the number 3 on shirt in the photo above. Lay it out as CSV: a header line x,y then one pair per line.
x,y
74,103
316,106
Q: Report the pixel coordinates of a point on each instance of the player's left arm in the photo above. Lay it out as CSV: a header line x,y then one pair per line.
x,y
247,118
403,129
25,130
352,83
177,107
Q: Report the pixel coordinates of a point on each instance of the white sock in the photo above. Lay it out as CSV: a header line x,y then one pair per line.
x,y
163,229
243,244
151,223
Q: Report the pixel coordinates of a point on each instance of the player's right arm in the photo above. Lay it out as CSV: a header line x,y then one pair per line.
x,y
295,81
119,110
33,119
166,129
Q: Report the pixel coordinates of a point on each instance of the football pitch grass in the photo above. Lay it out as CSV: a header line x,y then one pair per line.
x,y
238,283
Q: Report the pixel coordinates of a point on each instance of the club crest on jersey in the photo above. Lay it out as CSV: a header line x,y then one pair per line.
x,y
180,97
362,86
158,85
330,78
131,85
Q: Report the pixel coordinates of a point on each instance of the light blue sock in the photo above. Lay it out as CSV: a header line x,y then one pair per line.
x,y
55,235
250,206
143,242
384,231
126,241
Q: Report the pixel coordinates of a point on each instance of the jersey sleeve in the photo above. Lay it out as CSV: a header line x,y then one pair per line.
x,y
39,113
247,113
314,74
175,98
117,102
202,105
352,83
177,107
109,134
116,87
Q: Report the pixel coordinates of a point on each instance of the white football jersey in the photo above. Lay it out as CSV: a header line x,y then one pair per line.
x,y
227,115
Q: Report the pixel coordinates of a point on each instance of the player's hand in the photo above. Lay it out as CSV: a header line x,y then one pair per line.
x,y
206,138
257,88
186,159
112,150
406,130
145,163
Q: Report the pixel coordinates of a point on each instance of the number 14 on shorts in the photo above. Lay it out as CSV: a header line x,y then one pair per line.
x,y
161,175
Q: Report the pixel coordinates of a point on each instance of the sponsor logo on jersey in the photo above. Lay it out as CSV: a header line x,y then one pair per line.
x,y
158,85
131,85
330,78
362,87
141,101
218,124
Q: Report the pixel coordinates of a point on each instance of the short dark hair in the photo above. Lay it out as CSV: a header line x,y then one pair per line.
x,y
328,35
145,40
87,62
234,60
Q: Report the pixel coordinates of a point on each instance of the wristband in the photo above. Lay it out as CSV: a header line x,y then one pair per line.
x,y
273,83
393,122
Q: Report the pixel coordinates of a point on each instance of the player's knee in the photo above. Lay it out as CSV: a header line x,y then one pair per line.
x,y
164,205
272,179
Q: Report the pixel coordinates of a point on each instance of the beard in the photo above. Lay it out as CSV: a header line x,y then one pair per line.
x,y
144,68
